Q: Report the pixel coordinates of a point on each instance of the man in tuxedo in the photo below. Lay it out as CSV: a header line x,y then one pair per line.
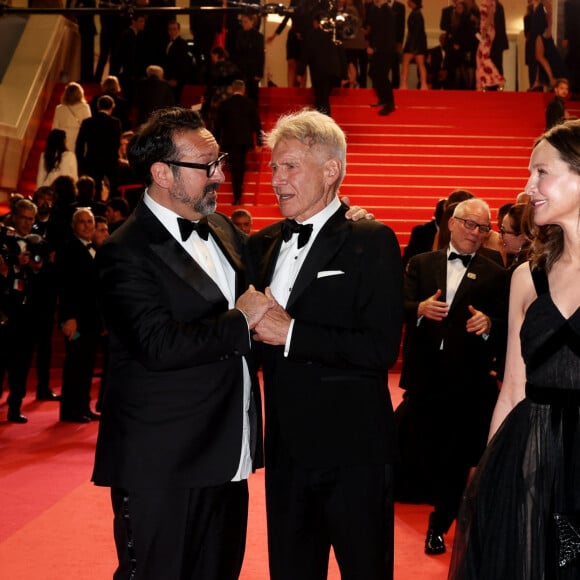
x,y
180,430
398,9
382,48
178,62
323,59
238,129
97,146
447,16
151,93
455,314
500,40
325,348
78,317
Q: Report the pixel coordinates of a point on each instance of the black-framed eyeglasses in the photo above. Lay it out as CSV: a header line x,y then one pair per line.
x,y
471,225
209,168
504,232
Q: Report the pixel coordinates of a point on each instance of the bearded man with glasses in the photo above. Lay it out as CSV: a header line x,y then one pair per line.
x,y
180,430
455,314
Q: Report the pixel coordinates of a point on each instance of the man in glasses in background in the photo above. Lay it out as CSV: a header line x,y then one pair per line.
x,y
180,430
455,314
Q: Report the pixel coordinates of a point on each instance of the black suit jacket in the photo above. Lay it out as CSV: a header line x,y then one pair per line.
x,y
398,9
238,122
77,275
98,143
484,286
152,93
172,413
178,63
328,402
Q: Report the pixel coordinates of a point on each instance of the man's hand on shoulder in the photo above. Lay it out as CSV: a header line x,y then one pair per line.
x,y
356,213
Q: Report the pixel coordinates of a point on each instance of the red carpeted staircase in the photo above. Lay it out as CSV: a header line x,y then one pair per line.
x,y
400,165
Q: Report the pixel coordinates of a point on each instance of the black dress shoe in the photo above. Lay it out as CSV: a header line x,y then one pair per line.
x,y
386,110
17,418
434,544
75,419
94,416
47,396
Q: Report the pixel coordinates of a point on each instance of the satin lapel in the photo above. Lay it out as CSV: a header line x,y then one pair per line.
x,y
175,257
224,242
222,239
327,243
467,282
440,272
271,248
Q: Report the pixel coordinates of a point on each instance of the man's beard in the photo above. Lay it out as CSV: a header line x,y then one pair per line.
x,y
204,205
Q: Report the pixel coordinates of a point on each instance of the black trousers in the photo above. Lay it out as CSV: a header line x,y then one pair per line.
x,y
237,162
20,348
180,534
381,64
77,375
349,508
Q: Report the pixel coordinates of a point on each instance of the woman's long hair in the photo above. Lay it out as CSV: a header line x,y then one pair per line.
x,y
55,147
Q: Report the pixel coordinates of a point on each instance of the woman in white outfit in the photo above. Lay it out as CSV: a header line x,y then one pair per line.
x,y
71,112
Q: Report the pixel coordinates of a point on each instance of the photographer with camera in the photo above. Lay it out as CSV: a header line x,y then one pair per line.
x,y
15,273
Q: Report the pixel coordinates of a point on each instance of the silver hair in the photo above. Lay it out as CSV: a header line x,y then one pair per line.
x,y
311,128
462,207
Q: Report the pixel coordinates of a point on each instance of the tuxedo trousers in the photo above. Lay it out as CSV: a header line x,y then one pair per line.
x,y
347,507
180,534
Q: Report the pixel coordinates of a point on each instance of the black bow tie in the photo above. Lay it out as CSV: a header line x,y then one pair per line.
x,y
187,227
291,227
465,258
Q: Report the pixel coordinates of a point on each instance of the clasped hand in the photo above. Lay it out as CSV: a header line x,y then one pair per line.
x,y
269,321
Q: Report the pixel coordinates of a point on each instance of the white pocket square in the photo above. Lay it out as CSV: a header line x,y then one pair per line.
x,y
326,273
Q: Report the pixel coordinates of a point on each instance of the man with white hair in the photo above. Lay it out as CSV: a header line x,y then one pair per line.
x,y
455,314
326,348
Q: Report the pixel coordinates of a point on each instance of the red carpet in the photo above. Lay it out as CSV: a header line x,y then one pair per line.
x,y
55,525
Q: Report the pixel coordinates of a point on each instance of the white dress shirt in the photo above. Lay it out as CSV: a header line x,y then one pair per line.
x,y
291,258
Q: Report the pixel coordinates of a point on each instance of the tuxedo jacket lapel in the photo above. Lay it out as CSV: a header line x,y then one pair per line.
x,y
327,243
469,278
223,240
175,257
271,249
220,235
440,272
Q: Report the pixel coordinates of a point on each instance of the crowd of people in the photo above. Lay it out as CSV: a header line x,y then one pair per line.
x,y
186,306
376,40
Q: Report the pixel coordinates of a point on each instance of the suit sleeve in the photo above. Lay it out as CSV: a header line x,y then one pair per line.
x,y
412,291
366,333
135,302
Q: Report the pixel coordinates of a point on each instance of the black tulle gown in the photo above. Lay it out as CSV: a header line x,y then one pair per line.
x,y
520,517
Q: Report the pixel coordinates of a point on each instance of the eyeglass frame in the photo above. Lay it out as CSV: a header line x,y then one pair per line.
x,y
503,232
210,168
482,228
